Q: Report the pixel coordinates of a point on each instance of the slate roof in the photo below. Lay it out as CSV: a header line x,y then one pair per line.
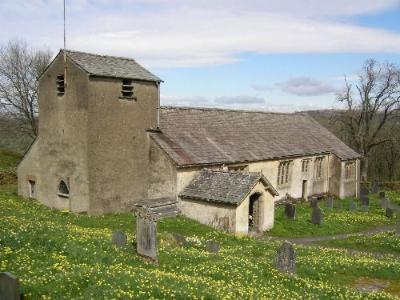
x,y
230,187
200,136
110,66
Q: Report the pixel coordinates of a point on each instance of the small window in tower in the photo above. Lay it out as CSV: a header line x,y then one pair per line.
x,y
63,190
60,85
127,89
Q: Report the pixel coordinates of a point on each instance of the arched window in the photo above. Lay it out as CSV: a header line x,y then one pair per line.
x,y
63,190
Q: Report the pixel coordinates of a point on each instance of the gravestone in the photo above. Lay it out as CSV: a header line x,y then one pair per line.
x,y
365,201
313,202
375,188
329,202
119,239
146,237
382,195
317,216
212,247
364,191
286,258
364,208
290,211
9,287
384,202
338,204
389,212
352,206
147,213
179,239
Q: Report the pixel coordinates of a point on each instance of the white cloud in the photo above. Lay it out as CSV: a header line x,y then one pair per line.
x,y
172,33
306,86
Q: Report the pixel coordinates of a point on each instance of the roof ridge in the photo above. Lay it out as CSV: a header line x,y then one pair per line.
x,y
100,55
227,109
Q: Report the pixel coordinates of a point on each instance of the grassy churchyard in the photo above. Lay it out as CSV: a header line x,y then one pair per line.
x,y
60,255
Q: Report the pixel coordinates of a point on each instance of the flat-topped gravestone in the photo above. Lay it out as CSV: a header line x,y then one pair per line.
x,y
329,202
317,216
375,188
385,202
146,237
365,201
119,239
364,191
9,287
389,212
290,211
352,206
212,247
365,208
313,202
286,258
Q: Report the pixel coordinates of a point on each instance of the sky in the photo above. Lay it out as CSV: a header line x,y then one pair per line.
x,y
275,55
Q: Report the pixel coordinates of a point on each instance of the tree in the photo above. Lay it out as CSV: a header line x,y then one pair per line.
x,y
20,68
371,103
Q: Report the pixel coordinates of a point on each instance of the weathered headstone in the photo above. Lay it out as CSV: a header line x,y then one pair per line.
x,y
382,195
119,239
317,216
290,211
286,258
364,191
313,202
364,208
365,201
9,287
329,202
389,212
146,236
384,202
212,247
352,206
179,239
375,188
338,204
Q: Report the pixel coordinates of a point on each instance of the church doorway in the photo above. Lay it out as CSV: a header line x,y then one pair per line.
x,y
254,212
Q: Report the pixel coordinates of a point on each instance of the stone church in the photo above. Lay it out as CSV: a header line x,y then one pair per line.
x,y
105,143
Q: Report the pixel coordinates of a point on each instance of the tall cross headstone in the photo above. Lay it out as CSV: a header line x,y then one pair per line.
x,y
286,258
9,287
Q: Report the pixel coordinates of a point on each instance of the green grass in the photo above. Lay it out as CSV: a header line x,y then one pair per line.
x,y
335,221
387,242
60,255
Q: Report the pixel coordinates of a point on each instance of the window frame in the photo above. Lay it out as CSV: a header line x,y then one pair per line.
x,y
60,193
284,173
319,161
127,90
349,170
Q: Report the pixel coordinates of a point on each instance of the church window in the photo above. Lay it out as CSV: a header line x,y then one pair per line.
x,y
318,167
63,190
283,172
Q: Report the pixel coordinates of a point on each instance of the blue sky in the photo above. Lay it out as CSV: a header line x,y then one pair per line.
x,y
277,55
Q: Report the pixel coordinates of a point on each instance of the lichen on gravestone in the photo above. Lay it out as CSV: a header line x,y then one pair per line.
x,y
286,258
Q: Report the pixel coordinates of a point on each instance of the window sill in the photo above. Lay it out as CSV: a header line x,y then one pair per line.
x,y
128,98
63,195
283,186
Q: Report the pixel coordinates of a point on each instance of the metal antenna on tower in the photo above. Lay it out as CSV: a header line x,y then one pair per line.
x,y
65,55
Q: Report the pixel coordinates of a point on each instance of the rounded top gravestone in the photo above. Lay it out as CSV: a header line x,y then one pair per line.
x,y
286,258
